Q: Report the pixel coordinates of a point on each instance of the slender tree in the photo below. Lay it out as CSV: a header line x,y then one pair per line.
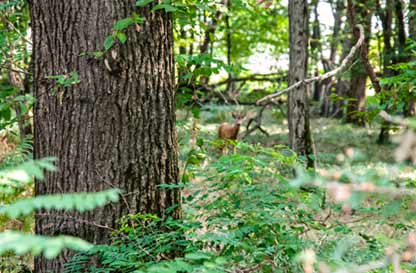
x,y
315,48
340,30
386,17
357,92
298,108
412,19
412,35
116,127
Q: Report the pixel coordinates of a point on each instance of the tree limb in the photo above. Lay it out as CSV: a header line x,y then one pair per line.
x,y
325,76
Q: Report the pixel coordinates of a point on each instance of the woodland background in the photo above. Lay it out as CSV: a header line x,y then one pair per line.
x,y
110,159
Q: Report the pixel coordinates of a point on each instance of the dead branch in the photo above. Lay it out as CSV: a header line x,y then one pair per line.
x,y
325,76
258,122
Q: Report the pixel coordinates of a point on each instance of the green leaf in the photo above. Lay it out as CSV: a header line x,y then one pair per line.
x,y
109,42
71,201
122,37
22,243
123,23
142,3
166,7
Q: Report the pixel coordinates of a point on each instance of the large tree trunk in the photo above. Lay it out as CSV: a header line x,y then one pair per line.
x,y
113,129
300,138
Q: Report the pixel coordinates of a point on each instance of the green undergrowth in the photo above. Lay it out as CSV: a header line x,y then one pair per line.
x,y
247,211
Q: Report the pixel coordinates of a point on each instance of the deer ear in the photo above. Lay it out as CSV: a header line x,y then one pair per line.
x,y
233,114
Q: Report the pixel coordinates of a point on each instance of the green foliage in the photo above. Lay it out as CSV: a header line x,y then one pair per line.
x,y
21,243
66,80
15,181
77,201
21,175
10,100
234,218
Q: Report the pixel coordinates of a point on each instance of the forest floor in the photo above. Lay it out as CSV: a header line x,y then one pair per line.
x,y
331,136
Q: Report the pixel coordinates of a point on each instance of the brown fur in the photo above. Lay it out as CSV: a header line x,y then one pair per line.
x,y
228,131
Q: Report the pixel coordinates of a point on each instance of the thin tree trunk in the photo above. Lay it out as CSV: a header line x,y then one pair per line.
x,y
356,104
339,12
300,138
412,35
401,32
341,86
316,47
327,105
357,92
115,128
231,83
386,17
412,20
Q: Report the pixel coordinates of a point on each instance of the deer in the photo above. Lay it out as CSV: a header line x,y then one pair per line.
x,y
228,131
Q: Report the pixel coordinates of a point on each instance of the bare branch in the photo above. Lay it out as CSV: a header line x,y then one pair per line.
x,y
325,76
393,120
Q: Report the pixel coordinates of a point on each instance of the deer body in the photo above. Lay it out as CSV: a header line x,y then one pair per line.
x,y
228,131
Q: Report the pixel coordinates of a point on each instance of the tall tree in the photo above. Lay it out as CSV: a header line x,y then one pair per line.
x,y
339,37
386,17
357,92
300,138
316,48
401,32
116,127
412,19
412,35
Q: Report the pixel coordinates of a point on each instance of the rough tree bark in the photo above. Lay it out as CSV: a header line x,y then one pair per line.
x,y
300,138
113,129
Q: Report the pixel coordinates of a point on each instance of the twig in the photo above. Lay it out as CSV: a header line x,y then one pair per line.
x,y
325,76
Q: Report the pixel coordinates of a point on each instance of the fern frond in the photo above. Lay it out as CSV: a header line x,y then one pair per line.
x,y
22,243
73,201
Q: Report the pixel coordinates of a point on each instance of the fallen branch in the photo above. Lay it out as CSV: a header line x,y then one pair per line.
x,y
325,76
